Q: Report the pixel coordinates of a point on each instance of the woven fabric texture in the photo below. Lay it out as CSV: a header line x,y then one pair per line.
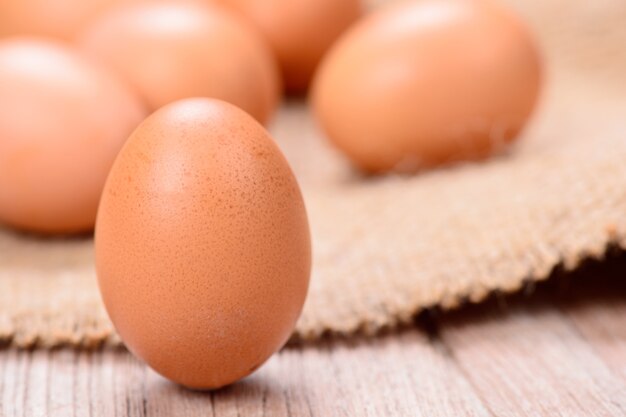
x,y
385,248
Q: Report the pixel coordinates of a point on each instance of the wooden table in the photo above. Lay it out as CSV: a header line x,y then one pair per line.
x,y
559,349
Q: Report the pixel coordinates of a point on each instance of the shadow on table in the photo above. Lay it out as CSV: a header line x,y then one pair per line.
x,y
595,285
242,398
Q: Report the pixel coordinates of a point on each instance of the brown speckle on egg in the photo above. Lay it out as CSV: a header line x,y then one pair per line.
x,y
204,264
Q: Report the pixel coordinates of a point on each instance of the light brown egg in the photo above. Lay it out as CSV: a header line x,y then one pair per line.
x,y
202,244
172,51
299,31
420,84
55,18
62,122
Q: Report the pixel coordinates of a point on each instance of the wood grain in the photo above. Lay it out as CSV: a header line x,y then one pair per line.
x,y
537,365
560,351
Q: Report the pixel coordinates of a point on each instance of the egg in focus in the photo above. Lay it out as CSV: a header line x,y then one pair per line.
x,y
299,31
62,122
422,84
171,51
203,250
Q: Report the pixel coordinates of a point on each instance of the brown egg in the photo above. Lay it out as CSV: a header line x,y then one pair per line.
x,y
56,18
202,244
299,31
62,122
420,84
172,51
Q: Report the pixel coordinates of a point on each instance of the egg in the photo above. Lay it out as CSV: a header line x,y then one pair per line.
x,y
299,31
203,250
171,51
59,18
62,122
422,84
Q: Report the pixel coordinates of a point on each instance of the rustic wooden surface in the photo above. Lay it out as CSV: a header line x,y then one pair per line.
x,y
558,350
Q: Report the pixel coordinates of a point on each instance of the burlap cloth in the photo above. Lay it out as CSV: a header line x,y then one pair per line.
x,y
386,248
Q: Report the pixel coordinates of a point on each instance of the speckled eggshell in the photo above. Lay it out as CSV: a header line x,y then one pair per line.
x,y
170,51
202,244
425,83
299,31
62,123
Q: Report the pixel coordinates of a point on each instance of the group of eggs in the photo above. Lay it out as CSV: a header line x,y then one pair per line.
x,y
78,76
203,250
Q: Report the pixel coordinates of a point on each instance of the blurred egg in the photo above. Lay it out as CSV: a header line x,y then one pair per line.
x,y
420,84
55,18
62,122
202,244
172,51
299,31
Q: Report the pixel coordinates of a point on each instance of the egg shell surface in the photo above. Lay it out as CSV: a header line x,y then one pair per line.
x,y
61,19
203,250
299,31
425,83
62,123
170,51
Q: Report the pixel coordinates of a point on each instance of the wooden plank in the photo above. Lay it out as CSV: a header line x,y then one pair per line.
x,y
14,386
605,330
531,360
402,375
396,375
61,379
75,373
599,313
